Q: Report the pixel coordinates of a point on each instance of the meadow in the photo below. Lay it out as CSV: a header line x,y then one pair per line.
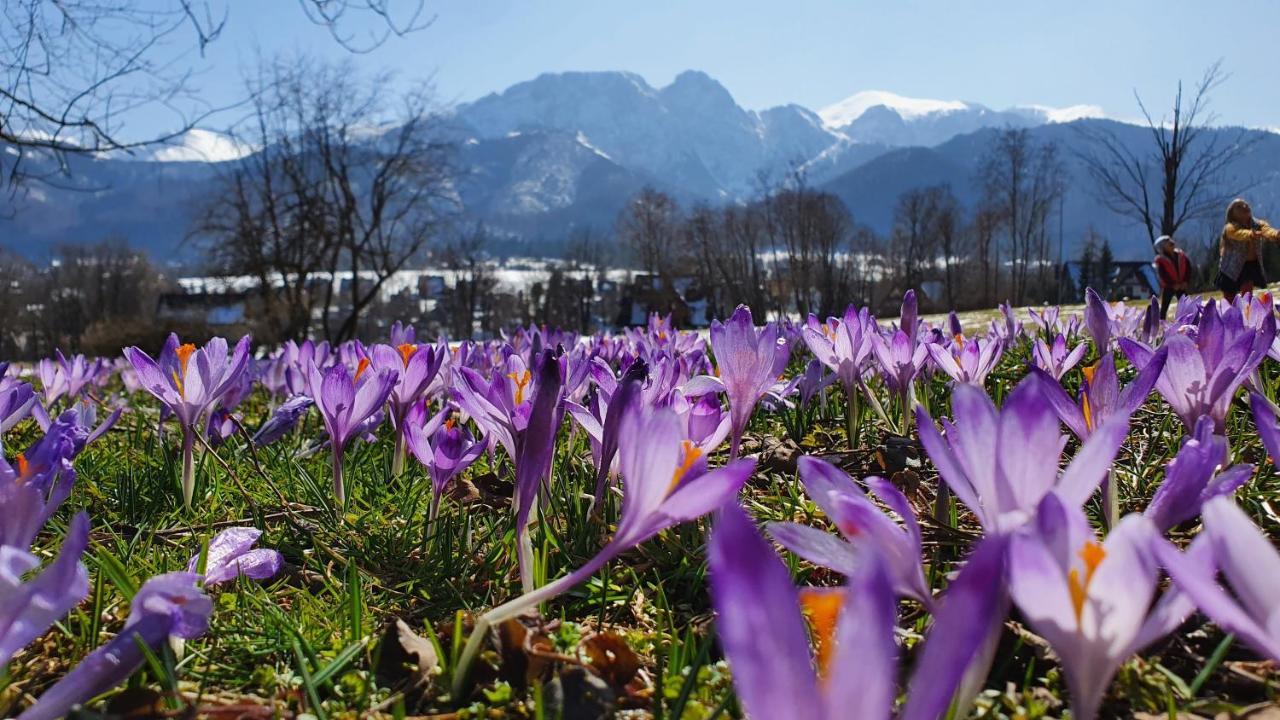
x,y
1038,513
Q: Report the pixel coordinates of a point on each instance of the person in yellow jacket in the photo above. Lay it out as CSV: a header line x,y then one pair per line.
x,y
1240,268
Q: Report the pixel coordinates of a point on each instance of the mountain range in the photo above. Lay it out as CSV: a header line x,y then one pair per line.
x,y
566,150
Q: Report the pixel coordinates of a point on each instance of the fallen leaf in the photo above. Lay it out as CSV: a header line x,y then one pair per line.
x,y
526,655
578,694
612,658
405,659
137,703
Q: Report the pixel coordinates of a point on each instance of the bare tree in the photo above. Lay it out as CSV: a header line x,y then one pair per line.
x,y
734,256
986,222
466,256
914,238
813,229
346,183
1022,181
952,240
92,298
649,227
1181,175
71,71
16,305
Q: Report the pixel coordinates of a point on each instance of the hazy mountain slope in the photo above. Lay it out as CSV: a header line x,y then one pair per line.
x,y
567,150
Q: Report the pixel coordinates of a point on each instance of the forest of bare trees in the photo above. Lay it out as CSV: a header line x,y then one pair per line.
x,y
348,178
71,70
797,249
353,177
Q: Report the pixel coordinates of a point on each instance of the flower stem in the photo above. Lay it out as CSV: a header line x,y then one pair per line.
x,y
1110,502
524,558
852,413
339,490
188,466
515,607
398,457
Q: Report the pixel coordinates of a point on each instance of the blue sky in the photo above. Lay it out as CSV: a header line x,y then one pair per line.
x,y
996,52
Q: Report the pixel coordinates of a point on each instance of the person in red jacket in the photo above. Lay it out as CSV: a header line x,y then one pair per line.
x,y
1174,270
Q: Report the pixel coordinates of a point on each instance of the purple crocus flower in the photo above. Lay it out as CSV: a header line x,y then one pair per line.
x,y
861,522
166,605
842,344
1056,359
604,428
232,554
909,314
966,361
813,381
402,334
38,482
1193,477
748,362
763,632
1007,329
222,423
1001,463
665,482
415,368
29,605
84,414
1089,599
283,419
1267,419
500,406
65,377
1207,362
1097,320
706,423
1152,323
1046,320
1250,565
901,359
444,446
1101,398
524,417
16,401
188,381
345,403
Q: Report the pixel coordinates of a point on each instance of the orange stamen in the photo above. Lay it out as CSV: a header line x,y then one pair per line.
x,y
690,453
364,365
448,424
183,352
1084,396
521,380
822,609
406,352
24,467
1092,554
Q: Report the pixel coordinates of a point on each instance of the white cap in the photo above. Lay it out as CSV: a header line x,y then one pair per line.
x,y
1162,240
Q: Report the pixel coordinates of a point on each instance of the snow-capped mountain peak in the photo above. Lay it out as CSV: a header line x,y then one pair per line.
x,y
853,107
200,145
1067,114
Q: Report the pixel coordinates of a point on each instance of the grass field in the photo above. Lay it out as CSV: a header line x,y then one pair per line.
x,y
637,640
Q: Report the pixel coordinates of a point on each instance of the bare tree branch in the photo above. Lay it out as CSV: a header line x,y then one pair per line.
x,y
1184,176
72,71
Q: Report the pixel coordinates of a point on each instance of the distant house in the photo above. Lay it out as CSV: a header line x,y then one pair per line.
x,y
1126,280
431,286
212,310
647,294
